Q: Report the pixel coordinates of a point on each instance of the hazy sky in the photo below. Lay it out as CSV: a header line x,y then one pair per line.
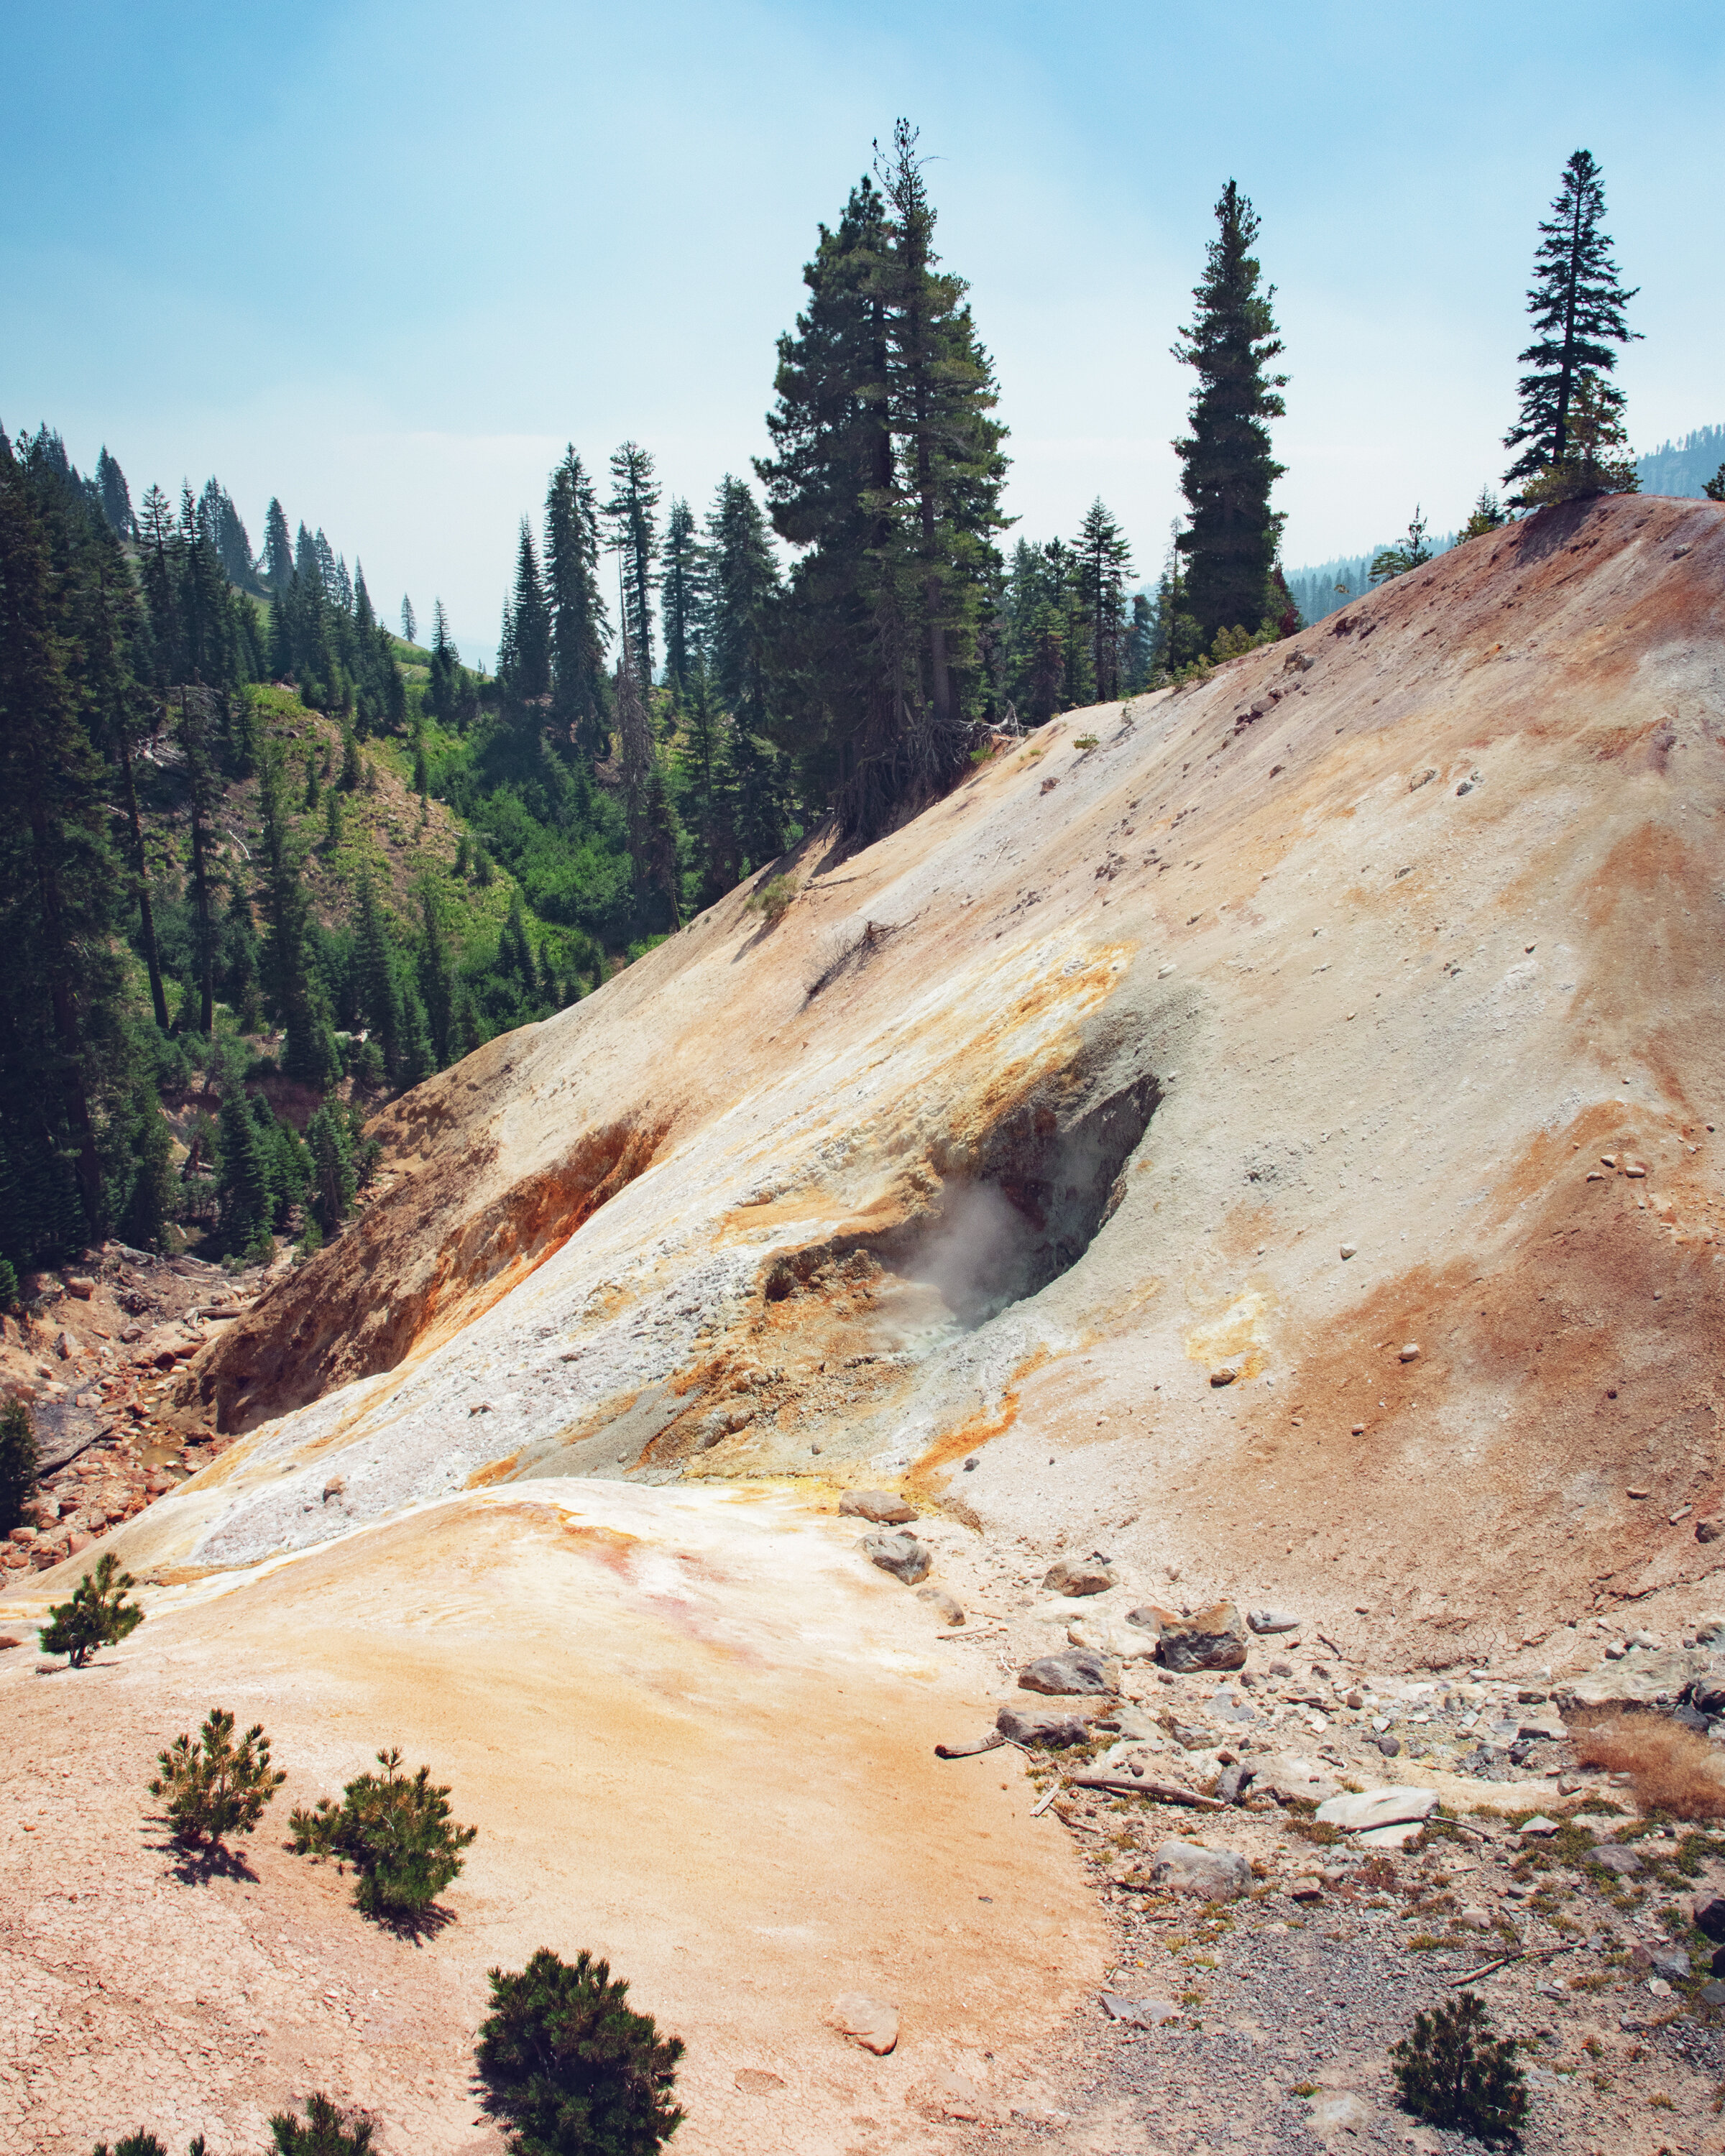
x,y
385,260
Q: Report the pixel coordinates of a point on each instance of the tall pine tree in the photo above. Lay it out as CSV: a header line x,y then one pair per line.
x,y
829,486
1231,542
632,514
889,468
1104,562
1578,303
578,621
681,592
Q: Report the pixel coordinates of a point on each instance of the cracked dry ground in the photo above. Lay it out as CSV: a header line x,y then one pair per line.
x,y
1288,2006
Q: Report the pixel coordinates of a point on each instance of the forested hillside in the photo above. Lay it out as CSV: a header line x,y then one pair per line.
x,y
263,863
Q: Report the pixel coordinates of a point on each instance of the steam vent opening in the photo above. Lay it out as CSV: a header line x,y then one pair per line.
x,y
1026,1205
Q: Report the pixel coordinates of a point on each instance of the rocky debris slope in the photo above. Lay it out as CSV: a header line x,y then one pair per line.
x,y
1267,2017
95,1359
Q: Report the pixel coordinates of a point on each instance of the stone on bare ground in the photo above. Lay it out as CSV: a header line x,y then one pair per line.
x,y
1292,1777
1264,1621
1108,1635
1343,2112
1210,1639
1210,1875
1081,1575
869,2022
1139,2013
1612,1857
1643,1678
1710,1916
880,1506
902,1555
946,1607
1050,1727
1077,1671
1377,1808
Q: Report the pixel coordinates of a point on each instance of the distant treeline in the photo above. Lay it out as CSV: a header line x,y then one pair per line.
x,y
1684,467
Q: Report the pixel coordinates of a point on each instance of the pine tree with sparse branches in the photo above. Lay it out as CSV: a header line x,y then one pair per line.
x,y
1577,303
631,514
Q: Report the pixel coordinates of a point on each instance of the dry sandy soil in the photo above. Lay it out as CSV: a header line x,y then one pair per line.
x,y
1015,1168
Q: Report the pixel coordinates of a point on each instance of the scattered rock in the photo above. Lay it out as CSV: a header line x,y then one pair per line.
x,y
879,1506
1344,2113
946,1607
66,1346
869,2022
1706,1531
336,1487
1225,1376
1350,1250
1139,2013
1390,1746
1107,1636
1083,1575
1210,1875
1052,1728
1077,1671
1539,1828
1711,1994
1637,1679
1612,1857
1263,1621
946,2094
1293,1778
1212,1639
1410,1352
1376,1808
81,1286
1672,1964
1710,1917
1308,1887
902,1555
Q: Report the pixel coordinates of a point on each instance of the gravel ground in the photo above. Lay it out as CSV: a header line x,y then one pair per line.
x,y
1289,2006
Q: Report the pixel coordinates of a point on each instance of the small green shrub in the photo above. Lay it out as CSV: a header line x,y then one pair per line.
x,y
396,1833
18,1464
1452,2071
325,2132
98,1615
215,1786
1087,741
775,899
572,2068
8,1283
143,2143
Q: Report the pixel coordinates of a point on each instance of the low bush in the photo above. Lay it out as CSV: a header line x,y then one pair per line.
x,y
215,1786
1451,2070
775,899
1671,1769
18,1464
143,2144
98,1615
326,2132
396,1833
571,2067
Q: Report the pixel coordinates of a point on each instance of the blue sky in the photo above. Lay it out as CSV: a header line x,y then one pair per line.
x,y
384,261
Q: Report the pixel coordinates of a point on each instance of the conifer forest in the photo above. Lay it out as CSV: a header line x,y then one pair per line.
x,y
271,851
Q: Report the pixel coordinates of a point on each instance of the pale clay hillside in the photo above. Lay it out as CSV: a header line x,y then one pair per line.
x,y
1250,1145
